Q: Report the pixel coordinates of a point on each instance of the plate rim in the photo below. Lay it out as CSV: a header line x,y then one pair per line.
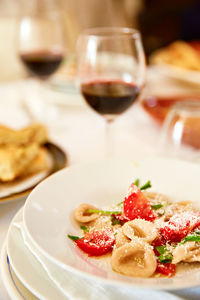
x,y
190,76
9,284
27,285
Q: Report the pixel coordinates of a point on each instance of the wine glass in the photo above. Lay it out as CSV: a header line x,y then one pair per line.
x,y
180,134
41,48
111,71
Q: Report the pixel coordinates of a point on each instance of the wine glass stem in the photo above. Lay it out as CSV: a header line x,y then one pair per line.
x,y
108,138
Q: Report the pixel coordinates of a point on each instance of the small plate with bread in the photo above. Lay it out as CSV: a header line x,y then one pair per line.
x,y
26,158
180,60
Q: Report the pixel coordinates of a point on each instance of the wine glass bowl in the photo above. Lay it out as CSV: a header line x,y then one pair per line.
x,y
41,43
41,48
42,63
111,69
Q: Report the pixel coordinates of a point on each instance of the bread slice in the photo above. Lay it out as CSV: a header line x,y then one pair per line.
x,y
36,133
38,164
15,159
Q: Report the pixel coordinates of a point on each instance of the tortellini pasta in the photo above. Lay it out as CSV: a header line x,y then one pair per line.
x,y
81,214
121,238
188,252
143,229
135,259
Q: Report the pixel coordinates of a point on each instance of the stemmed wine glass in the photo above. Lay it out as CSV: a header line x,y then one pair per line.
x,y
41,45
111,71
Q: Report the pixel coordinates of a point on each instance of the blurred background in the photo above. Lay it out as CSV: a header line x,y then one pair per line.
x,y
161,22
42,80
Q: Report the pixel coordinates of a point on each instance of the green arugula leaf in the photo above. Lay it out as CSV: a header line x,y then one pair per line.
x,y
147,185
191,238
161,249
103,212
73,237
137,182
156,206
165,255
165,258
120,203
84,228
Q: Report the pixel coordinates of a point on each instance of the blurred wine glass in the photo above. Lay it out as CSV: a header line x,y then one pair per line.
x,y
180,136
111,71
41,45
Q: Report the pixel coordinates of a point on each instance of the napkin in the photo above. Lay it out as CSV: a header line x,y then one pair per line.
x,y
75,287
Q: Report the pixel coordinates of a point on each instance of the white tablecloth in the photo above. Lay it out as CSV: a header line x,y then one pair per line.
x,y
77,129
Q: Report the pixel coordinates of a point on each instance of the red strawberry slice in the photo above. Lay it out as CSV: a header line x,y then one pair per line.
x,y
137,206
97,243
166,269
180,225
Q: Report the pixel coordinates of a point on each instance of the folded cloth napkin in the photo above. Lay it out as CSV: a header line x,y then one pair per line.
x,y
75,287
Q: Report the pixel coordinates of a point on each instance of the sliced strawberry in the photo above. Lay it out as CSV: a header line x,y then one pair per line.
x,y
180,225
168,269
97,243
137,206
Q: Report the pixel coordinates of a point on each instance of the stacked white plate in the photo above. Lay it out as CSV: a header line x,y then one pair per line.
x,y
180,74
40,262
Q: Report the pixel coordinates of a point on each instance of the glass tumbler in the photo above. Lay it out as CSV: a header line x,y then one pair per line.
x,y
180,135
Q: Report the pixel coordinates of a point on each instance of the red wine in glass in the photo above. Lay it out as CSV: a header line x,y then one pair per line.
x,y
42,63
110,97
107,58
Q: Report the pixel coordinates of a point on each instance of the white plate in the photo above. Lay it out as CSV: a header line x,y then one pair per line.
x,y
27,268
33,276
14,287
48,212
192,77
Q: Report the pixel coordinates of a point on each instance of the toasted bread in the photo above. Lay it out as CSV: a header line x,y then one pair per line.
x,y
35,133
38,164
179,54
15,159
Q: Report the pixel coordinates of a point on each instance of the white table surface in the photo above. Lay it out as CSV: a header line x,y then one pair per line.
x,y
78,130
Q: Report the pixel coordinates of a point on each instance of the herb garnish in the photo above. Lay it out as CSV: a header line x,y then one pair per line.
x,y
84,228
156,206
103,212
73,237
191,238
161,249
147,185
165,256
137,182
